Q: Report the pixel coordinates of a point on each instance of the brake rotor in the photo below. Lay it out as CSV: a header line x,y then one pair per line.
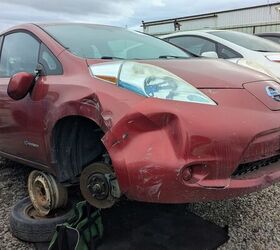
x,y
99,186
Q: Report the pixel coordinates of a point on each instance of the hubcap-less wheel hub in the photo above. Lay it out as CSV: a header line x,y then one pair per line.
x,y
45,193
99,185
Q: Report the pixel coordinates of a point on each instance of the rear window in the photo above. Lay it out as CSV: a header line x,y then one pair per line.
x,y
272,38
248,41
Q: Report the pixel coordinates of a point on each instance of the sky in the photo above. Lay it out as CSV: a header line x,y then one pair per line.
x,y
124,13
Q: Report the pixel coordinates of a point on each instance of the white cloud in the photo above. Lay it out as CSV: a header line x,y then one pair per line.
x,y
159,3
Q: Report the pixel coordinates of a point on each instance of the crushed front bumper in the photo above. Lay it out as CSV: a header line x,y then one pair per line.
x,y
154,152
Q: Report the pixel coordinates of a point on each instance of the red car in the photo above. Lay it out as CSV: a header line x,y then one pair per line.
x,y
123,113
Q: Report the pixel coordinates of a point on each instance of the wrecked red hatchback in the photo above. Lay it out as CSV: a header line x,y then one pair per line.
x,y
123,113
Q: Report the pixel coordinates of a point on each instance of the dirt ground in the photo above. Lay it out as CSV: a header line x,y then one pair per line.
x,y
254,220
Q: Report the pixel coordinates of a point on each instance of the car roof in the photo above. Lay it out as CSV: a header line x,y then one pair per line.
x,y
193,32
31,26
74,24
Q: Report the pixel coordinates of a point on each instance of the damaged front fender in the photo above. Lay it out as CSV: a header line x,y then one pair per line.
x,y
147,145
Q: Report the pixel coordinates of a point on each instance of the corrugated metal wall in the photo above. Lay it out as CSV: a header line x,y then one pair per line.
x,y
261,15
259,19
209,22
160,29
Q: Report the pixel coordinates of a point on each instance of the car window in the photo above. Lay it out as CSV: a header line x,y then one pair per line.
x,y
273,38
117,47
248,41
194,44
104,42
20,53
227,53
50,63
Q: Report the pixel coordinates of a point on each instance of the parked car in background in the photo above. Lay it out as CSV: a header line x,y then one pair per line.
x,y
272,36
241,48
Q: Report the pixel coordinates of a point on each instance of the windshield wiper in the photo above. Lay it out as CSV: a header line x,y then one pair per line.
x,y
170,56
161,57
111,57
260,50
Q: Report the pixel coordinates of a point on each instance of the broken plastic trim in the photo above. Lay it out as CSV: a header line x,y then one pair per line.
x,y
149,81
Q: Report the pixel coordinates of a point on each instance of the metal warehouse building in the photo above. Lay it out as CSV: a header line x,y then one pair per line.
x,y
255,19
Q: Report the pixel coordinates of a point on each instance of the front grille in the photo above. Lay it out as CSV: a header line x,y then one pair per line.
x,y
252,166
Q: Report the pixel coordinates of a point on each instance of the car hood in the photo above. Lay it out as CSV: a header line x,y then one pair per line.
x,y
206,73
210,73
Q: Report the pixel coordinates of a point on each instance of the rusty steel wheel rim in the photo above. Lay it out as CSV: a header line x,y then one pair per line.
x,y
32,213
45,193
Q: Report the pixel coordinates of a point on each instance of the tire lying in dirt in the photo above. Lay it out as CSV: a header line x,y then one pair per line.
x,y
25,224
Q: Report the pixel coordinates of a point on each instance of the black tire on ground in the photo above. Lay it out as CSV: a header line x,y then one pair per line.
x,y
36,229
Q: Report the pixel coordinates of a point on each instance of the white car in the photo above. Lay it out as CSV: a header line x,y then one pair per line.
x,y
241,48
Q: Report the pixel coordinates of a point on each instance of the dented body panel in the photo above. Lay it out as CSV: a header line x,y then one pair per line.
x,y
161,150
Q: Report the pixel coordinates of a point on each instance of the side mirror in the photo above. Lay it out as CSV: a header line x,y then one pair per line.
x,y
20,84
210,54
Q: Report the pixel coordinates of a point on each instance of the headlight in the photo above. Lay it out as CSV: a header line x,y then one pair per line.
x,y
150,81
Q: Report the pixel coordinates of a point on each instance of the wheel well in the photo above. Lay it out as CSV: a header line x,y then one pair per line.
x,y
76,143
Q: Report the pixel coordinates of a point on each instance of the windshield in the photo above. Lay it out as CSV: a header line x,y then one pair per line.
x,y
248,41
106,42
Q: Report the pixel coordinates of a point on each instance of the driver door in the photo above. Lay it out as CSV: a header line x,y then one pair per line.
x,y
21,122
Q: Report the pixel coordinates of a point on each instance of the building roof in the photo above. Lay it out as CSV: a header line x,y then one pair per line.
x,y
205,15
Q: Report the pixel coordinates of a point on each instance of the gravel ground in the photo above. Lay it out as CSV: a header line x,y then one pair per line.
x,y
13,179
253,220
